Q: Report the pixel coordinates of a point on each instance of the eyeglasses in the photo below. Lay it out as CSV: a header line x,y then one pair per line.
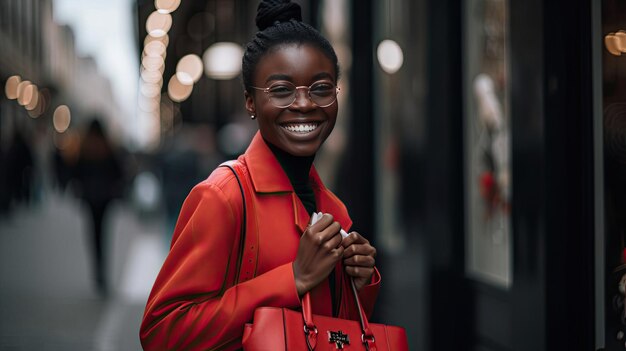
x,y
283,94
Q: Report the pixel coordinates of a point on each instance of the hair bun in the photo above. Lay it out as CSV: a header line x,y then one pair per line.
x,y
271,11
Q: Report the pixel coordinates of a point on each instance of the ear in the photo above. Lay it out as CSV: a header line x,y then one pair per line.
x,y
250,107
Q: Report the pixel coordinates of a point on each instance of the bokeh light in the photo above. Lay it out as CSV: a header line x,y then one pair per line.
x,y
151,76
20,90
177,91
621,41
612,44
61,118
390,56
615,43
10,88
222,60
34,99
166,6
155,48
153,63
158,24
27,93
164,39
189,69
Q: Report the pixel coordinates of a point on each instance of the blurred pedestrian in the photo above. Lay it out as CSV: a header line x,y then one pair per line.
x,y
20,170
98,176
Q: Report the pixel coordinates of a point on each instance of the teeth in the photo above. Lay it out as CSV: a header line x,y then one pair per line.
x,y
301,128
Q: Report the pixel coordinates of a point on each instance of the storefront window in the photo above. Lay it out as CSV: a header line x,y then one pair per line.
x,y
487,143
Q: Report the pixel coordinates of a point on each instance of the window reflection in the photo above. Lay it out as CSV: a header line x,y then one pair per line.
x,y
487,135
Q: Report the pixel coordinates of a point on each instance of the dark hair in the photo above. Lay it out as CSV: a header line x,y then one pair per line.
x,y
280,23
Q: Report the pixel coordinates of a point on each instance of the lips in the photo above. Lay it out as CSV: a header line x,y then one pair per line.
x,y
301,128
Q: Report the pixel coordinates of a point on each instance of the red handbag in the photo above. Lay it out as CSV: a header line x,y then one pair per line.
x,y
276,329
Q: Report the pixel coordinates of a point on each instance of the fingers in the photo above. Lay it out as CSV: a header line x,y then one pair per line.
x,y
329,232
322,223
318,252
355,244
358,257
360,272
360,261
354,238
325,233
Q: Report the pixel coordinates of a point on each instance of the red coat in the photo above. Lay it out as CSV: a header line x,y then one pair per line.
x,y
187,309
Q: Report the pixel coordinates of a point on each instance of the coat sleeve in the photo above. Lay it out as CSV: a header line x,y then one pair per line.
x,y
188,309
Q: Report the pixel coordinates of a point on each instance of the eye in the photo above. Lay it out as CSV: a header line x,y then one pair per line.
x,y
322,89
281,90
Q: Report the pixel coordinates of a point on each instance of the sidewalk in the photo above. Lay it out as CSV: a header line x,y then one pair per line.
x,y
47,299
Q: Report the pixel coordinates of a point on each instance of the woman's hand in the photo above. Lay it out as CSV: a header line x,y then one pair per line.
x,y
320,249
358,258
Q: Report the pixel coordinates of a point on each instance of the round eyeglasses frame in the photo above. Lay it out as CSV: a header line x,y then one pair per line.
x,y
295,94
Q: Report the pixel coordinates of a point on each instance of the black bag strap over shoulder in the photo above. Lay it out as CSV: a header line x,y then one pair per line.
x,y
248,238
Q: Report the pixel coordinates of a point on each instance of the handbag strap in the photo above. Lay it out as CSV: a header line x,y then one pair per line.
x,y
248,244
367,337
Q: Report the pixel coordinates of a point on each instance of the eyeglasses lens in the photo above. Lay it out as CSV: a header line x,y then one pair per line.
x,y
322,94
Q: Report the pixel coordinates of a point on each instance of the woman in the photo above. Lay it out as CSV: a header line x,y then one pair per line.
x,y
99,177
290,74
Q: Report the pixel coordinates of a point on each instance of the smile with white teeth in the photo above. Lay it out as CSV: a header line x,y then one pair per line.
x,y
302,128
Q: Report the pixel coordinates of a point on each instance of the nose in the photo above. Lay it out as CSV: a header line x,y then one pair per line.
x,y
303,100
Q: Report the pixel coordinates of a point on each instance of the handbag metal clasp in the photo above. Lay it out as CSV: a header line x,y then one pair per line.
x,y
339,338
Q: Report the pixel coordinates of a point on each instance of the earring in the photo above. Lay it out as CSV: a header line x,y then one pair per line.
x,y
252,116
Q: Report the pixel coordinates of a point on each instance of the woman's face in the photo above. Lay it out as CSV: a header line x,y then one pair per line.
x,y
301,128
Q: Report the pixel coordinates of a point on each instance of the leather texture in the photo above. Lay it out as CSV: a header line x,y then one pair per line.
x,y
279,329
193,304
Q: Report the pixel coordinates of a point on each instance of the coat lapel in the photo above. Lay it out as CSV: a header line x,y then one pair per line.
x,y
266,173
327,202
268,177
300,214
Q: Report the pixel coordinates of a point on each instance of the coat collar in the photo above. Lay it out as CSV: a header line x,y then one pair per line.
x,y
266,173
269,177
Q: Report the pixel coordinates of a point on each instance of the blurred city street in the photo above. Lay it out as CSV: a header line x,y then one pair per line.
x,y
480,146
48,300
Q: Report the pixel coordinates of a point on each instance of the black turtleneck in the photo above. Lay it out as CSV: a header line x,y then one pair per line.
x,y
297,169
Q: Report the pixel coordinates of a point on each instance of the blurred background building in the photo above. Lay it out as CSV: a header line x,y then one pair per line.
x,y
480,146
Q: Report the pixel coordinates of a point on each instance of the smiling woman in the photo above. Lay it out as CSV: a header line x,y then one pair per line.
x,y
211,283
289,116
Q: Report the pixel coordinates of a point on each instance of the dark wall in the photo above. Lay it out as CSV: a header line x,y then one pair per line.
x,y
550,304
569,175
527,296
442,191
358,189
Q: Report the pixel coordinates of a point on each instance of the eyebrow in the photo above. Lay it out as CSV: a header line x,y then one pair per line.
x,y
290,79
